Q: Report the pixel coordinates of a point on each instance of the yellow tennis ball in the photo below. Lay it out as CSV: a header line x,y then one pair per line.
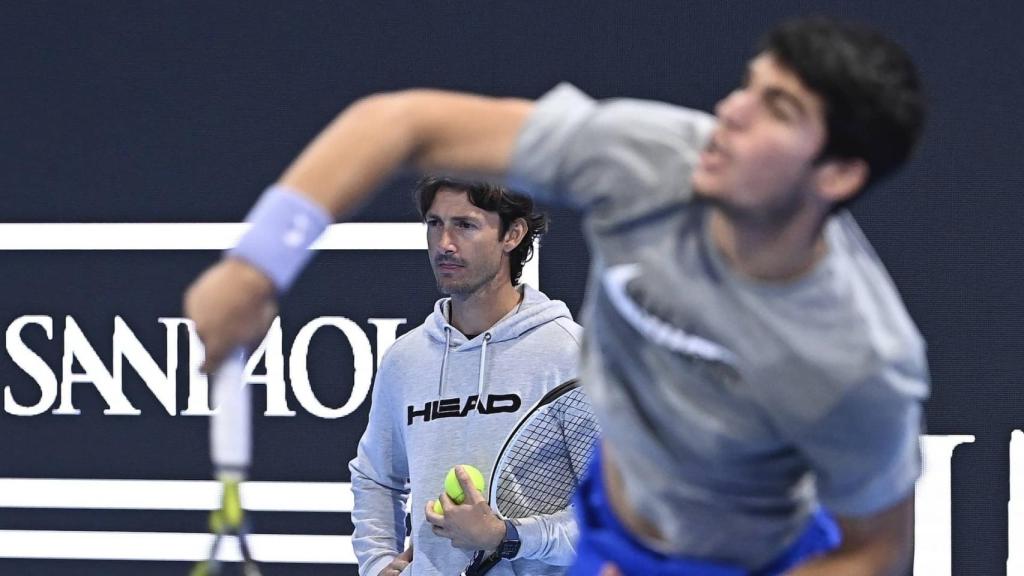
x,y
454,489
437,508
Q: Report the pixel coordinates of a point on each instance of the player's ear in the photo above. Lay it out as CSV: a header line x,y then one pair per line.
x,y
839,179
514,235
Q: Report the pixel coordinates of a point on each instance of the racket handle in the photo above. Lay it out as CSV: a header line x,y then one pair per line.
x,y
231,423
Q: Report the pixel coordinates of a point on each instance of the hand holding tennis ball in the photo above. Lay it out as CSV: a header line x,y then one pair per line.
x,y
453,488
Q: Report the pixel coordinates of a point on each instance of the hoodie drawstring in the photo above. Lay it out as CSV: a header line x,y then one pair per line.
x,y
444,361
483,359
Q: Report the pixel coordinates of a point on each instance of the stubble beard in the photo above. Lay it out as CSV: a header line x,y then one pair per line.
x,y
466,287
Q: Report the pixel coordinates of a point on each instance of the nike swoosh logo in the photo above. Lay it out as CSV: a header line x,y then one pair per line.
x,y
615,281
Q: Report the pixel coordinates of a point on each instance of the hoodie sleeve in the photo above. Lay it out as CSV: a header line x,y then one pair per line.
x,y
380,482
550,538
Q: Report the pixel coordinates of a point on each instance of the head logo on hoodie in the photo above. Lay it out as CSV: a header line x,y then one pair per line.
x,y
454,408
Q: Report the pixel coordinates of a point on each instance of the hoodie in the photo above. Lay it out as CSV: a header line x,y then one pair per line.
x,y
440,399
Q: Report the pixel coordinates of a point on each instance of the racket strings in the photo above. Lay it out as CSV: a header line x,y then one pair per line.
x,y
544,461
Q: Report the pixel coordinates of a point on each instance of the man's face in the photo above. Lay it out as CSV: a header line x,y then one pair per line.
x,y
465,243
759,160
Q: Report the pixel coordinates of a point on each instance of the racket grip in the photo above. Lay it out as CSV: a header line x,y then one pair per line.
x,y
231,422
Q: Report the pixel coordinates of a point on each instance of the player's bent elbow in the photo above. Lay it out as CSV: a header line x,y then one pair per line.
x,y
392,106
407,105
437,129
402,113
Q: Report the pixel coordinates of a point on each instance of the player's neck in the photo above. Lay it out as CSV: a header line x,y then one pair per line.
x,y
769,253
475,313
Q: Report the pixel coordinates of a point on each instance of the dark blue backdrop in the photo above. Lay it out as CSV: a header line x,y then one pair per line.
x,y
123,111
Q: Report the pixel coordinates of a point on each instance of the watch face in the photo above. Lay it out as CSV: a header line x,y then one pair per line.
x,y
509,548
510,545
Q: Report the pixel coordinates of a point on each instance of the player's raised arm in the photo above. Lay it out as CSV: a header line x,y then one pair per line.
x,y
233,302
430,129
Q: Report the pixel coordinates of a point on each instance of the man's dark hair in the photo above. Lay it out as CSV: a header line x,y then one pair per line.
x,y
509,206
874,107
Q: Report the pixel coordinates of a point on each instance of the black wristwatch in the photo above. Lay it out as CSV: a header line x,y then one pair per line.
x,y
509,547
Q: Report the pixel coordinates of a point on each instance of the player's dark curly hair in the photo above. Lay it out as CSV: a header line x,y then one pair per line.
x,y
510,206
874,106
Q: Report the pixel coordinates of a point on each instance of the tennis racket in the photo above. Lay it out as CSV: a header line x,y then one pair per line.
x,y
231,453
542,461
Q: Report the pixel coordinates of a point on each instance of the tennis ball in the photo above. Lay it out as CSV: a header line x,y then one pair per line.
x,y
454,489
437,508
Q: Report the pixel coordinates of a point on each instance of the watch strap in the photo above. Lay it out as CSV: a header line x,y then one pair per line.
x,y
509,547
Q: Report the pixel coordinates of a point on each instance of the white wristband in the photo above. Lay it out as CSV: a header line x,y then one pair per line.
x,y
284,225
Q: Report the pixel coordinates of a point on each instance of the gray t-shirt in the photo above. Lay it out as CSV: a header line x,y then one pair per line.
x,y
734,406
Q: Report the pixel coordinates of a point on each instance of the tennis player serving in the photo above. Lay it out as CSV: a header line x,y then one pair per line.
x,y
756,375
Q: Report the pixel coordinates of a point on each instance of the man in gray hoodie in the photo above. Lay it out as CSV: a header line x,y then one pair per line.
x,y
449,391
